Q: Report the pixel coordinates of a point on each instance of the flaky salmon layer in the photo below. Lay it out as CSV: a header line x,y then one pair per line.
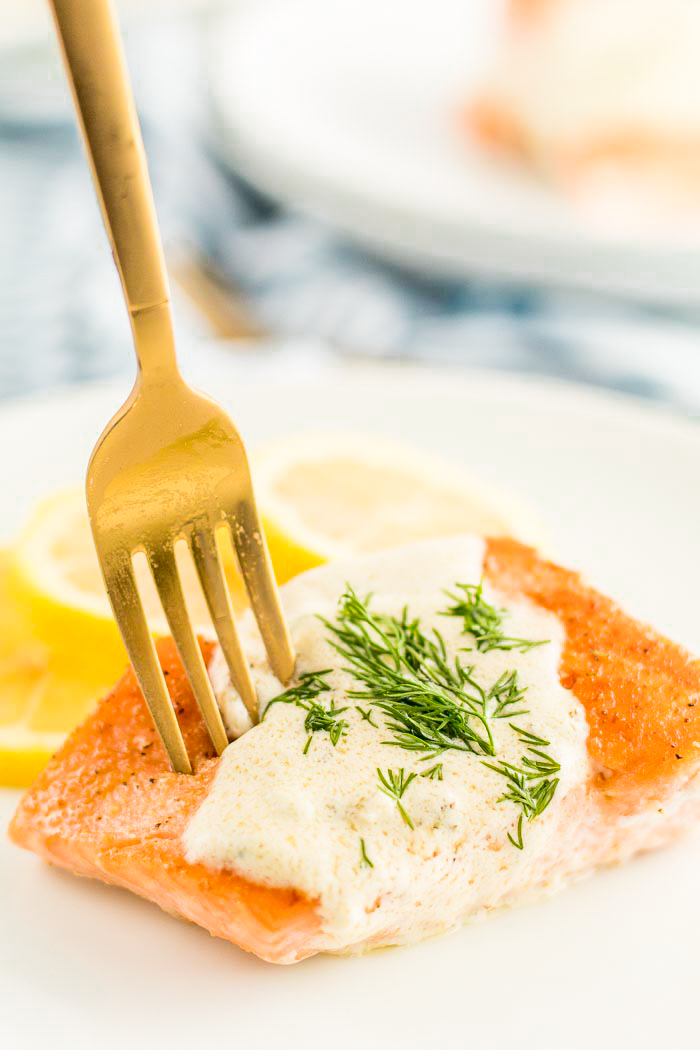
x,y
109,806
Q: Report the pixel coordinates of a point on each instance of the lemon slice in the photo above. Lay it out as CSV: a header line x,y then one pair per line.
x,y
41,698
325,497
60,649
55,570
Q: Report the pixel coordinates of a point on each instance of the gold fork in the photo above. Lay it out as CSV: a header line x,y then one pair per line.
x,y
170,466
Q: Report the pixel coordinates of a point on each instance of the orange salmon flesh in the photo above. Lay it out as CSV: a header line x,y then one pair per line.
x,y
109,806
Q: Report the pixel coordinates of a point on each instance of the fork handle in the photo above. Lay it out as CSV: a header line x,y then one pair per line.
x,y
94,59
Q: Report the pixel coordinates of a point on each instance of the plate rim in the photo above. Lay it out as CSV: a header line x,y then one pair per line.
x,y
410,374
373,221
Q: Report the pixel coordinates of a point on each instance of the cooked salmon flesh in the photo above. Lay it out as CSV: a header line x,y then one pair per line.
x,y
108,805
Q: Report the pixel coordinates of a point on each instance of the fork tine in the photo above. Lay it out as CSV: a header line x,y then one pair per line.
x,y
256,567
167,580
211,576
138,642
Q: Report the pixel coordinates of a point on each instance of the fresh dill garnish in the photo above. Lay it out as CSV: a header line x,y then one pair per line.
x,y
310,685
517,840
394,784
532,784
505,697
483,620
364,859
543,765
367,715
318,718
432,703
528,737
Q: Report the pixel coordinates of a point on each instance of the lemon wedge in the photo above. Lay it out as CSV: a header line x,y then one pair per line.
x,y
325,497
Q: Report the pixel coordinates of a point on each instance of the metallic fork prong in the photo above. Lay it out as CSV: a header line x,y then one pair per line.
x,y
211,576
258,576
138,642
167,581
170,458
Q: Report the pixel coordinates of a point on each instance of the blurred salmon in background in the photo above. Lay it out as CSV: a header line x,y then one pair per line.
x,y
600,97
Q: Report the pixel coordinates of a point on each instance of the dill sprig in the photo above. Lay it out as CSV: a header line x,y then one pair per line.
x,y
505,695
532,784
394,784
433,704
528,737
517,839
484,621
318,718
364,859
310,685
324,719
430,702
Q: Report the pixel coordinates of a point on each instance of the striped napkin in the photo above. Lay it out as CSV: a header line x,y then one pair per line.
x,y
62,319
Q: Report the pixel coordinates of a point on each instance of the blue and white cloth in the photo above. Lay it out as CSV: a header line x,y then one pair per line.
x,y
62,319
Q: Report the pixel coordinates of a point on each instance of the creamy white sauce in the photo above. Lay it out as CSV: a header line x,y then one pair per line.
x,y
283,818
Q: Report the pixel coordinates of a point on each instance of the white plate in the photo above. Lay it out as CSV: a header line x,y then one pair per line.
x,y
613,961
349,111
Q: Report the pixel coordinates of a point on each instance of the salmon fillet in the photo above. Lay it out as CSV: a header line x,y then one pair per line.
x,y
108,805
574,100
